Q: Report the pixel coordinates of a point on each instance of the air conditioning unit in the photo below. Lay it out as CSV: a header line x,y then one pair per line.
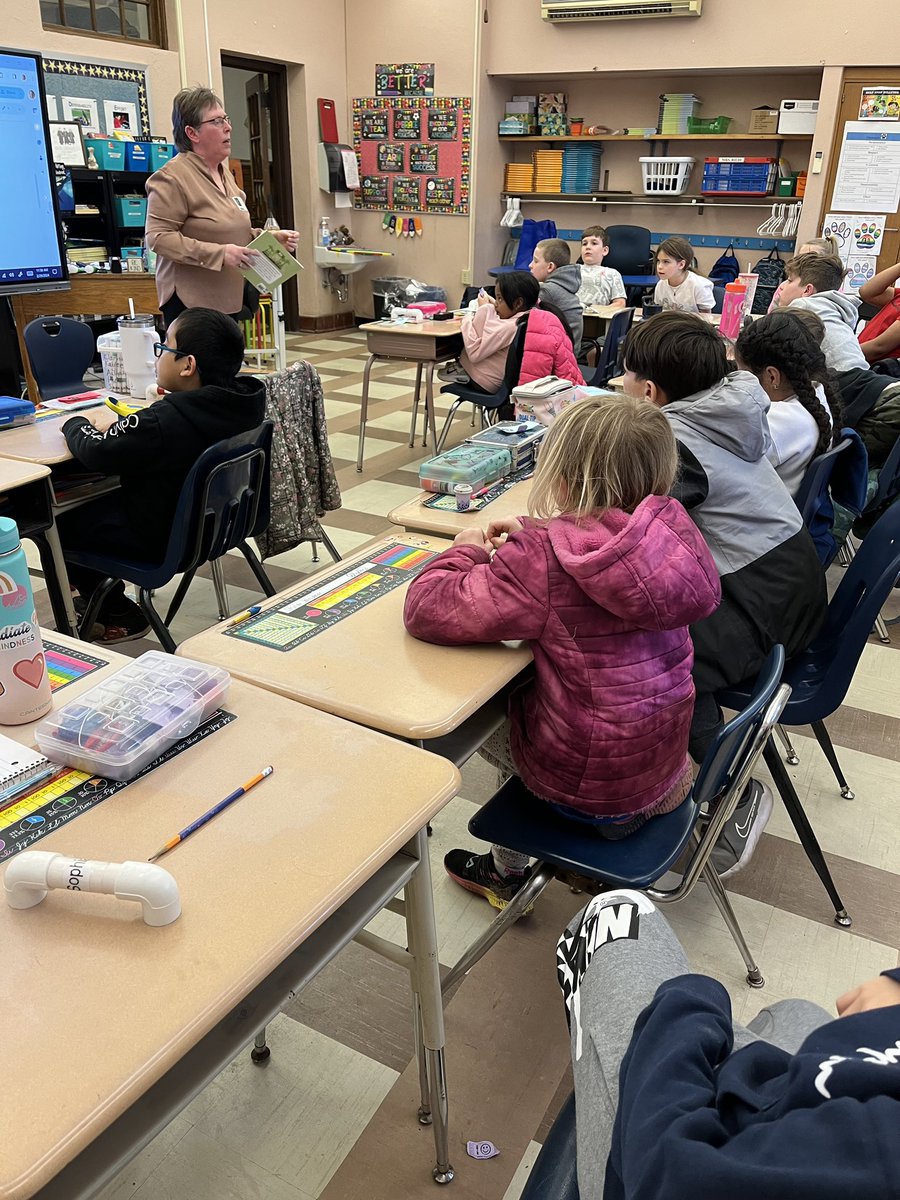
x,y
617,10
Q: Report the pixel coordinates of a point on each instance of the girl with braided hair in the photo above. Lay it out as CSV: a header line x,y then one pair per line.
x,y
783,350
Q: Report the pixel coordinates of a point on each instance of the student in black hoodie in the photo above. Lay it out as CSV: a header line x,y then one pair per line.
x,y
675,1099
153,451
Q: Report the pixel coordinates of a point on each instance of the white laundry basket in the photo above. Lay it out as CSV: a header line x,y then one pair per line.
x,y
666,176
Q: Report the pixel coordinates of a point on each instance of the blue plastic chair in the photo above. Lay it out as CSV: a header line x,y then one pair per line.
x,y
223,501
487,402
844,465
820,676
718,297
514,817
554,1175
606,366
60,350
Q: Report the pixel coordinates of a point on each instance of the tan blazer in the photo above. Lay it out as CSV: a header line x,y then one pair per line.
x,y
189,221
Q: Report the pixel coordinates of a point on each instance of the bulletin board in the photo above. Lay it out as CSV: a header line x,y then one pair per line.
x,y
102,97
414,153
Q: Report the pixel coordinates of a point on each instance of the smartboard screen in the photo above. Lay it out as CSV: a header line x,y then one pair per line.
x,y
32,254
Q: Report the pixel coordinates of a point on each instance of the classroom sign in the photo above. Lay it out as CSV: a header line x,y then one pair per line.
x,y
404,79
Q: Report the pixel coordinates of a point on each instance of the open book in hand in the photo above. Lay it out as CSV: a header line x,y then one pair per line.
x,y
273,265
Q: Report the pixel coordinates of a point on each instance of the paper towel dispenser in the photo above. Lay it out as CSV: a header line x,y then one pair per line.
x,y
338,170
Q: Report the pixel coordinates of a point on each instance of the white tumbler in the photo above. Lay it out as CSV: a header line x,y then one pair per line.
x,y
138,334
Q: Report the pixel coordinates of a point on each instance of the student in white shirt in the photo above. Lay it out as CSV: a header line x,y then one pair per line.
x,y
679,284
784,351
599,284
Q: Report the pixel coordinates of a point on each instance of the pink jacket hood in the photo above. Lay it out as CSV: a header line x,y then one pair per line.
x,y
647,567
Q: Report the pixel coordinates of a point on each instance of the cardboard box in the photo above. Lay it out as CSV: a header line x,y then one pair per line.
x,y
763,120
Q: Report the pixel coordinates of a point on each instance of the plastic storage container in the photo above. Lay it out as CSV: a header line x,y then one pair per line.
x,y
136,156
521,438
109,347
109,152
124,723
708,124
666,176
479,466
160,154
131,211
739,176
14,411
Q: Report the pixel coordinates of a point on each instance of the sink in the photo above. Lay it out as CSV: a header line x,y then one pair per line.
x,y
346,261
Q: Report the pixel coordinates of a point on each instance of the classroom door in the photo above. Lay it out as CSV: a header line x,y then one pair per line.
x,y
260,191
855,80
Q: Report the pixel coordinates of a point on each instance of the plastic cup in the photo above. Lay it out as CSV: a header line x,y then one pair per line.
x,y
749,279
463,494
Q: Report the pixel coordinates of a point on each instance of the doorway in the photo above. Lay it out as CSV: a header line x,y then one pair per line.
x,y
255,97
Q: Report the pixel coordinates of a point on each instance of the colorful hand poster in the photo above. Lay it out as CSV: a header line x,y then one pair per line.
x,y
407,193
374,125
390,156
880,104
375,190
407,124
423,158
857,234
440,193
404,79
442,124
860,269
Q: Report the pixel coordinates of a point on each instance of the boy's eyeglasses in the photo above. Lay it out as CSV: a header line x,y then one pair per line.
x,y
158,349
219,122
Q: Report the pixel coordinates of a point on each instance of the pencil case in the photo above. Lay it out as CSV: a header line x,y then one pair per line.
x,y
122,724
521,438
15,412
478,466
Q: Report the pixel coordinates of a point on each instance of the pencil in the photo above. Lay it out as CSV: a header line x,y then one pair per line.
x,y
213,812
246,615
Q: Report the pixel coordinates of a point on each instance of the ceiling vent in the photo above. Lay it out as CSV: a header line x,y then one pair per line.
x,y
560,11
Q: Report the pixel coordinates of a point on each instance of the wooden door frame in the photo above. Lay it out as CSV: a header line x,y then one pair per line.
x,y
282,183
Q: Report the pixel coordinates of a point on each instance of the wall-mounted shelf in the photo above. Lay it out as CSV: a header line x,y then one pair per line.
x,y
617,198
662,137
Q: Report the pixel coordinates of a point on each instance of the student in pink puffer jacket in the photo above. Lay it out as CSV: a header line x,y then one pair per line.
x,y
548,348
602,580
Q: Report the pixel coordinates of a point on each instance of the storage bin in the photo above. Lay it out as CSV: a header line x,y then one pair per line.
x,y
736,176
109,152
120,726
708,124
136,156
109,347
666,176
131,211
479,466
159,154
798,116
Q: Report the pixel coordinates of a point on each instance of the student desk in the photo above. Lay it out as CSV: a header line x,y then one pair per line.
x,y
425,345
118,1025
368,669
415,517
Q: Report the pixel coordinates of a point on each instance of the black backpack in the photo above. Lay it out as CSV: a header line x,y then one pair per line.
x,y
771,273
726,268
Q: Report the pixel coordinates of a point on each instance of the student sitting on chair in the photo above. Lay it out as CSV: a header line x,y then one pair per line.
x,y
823,245
674,1098
560,280
680,286
602,580
804,416
880,339
599,285
773,585
152,452
488,332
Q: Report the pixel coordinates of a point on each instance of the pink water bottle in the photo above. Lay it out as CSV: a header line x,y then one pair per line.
x,y
732,310
24,682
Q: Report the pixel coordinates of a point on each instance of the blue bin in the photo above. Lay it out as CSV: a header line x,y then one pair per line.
x,y
131,211
160,154
109,152
136,156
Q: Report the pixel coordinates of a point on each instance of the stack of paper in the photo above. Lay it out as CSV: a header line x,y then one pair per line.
x,y
581,168
518,177
548,165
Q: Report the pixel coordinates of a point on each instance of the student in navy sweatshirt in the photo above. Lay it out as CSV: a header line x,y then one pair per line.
x,y
674,1099
152,452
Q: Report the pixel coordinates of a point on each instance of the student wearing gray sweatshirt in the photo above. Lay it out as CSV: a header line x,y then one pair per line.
x,y
560,280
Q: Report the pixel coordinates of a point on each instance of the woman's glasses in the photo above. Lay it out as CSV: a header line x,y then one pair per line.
x,y
159,347
219,122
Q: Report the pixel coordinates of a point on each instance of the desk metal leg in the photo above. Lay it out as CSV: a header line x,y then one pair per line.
x,y
62,581
422,936
415,409
364,411
429,407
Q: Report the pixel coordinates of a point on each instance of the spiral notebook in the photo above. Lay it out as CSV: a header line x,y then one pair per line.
x,y
20,769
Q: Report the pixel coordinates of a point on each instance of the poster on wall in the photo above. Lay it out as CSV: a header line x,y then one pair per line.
x,y
83,110
390,156
374,125
880,104
407,124
860,269
440,193
66,143
442,124
121,117
868,174
404,79
79,91
407,192
857,235
423,158
374,190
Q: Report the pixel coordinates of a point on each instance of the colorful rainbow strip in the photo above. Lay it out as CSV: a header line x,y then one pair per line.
x,y
402,556
63,669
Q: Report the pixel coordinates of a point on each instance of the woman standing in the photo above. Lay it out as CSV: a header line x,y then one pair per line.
x,y
197,218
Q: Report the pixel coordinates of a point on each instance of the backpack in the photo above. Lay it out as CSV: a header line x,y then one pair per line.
x,y
726,268
771,273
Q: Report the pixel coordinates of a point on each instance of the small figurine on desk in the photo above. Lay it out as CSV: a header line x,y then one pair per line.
x,y
92,163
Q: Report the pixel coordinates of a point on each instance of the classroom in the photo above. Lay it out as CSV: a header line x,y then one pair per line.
x,y
465,437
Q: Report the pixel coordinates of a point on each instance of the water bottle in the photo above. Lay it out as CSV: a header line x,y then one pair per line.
x,y
324,232
732,310
24,682
271,224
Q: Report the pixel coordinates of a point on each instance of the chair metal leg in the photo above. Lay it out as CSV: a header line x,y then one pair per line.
x,y
180,592
94,604
156,621
315,551
823,737
329,546
260,1052
790,754
446,426
526,895
255,564
805,832
364,412
717,890
881,630
415,408
474,411
218,578
429,407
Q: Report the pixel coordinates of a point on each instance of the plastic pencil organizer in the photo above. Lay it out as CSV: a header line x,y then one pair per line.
x,y
666,176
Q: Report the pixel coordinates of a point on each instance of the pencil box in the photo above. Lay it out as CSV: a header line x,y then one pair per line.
x,y
478,466
520,438
15,412
122,724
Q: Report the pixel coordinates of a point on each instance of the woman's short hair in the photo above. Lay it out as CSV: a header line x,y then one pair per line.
x,y
678,351
215,340
188,108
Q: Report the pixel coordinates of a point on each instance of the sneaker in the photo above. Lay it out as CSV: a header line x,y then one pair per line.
x,y
477,873
453,373
739,838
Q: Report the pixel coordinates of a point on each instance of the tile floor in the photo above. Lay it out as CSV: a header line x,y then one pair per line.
x,y
333,1114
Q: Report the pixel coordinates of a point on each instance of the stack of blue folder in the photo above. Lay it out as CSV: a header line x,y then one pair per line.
x,y
581,168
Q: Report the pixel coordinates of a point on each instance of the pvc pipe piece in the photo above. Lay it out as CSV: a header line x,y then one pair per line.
x,y
33,873
408,314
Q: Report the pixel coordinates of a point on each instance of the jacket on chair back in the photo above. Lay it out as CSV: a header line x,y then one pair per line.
x,y
548,350
604,604
153,450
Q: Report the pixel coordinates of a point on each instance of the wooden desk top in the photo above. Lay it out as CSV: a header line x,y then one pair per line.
x,y
426,328
413,515
103,1005
14,473
367,668
606,312
43,442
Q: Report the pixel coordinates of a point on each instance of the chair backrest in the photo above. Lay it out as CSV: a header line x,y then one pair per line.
x,y
718,297
223,501
607,362
815,481
888,480
60,350
514,356
629,249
